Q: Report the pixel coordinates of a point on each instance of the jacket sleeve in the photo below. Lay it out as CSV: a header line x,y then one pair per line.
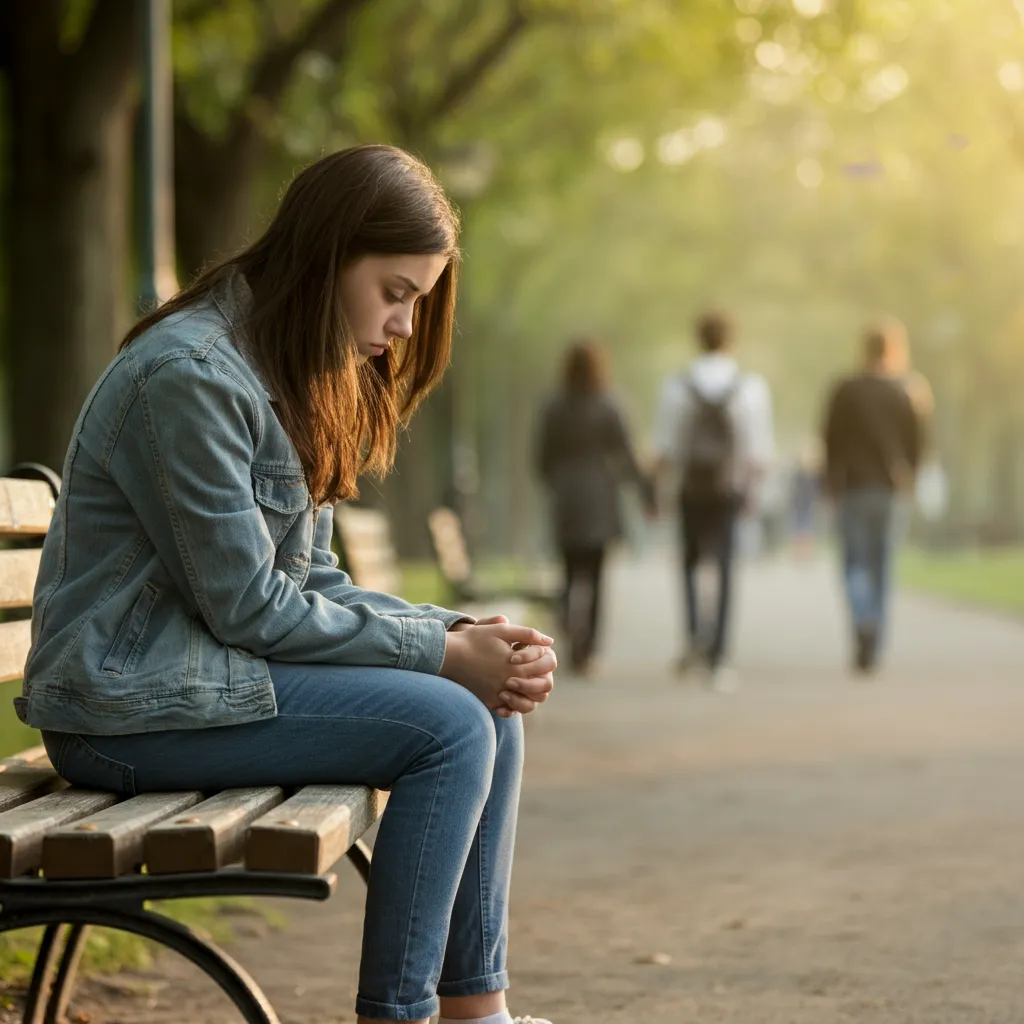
x,y
544,442
624,457
183,457
336,585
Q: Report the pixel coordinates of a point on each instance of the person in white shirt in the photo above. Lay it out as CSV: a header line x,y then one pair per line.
x,y
714,434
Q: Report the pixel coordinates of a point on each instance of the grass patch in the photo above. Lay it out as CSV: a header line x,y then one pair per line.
x,y
992,578
14,736
422,583
108,952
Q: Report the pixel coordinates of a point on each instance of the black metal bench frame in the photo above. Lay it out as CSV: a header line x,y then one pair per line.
x,y
66,910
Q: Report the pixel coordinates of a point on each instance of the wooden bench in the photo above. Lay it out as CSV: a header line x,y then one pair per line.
x,y
453,559
370,558
71,858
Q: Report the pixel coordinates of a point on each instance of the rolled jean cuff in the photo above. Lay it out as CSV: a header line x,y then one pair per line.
x,y
474,986
391,1011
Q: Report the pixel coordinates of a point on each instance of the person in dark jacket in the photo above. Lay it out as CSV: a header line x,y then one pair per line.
x,y
874,440
583,455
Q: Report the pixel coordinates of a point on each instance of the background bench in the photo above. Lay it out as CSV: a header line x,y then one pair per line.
x,y
370,558
453,559
71,858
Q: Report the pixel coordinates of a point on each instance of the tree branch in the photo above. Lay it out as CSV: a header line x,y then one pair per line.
x,y
465,79
327,30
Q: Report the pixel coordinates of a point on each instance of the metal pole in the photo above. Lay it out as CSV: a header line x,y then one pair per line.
x,y
158,281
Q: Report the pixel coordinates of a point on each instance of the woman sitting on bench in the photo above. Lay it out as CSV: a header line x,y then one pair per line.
x,y
192,629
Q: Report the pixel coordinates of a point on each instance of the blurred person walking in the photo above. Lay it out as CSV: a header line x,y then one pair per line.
x,y
874,433
583,455
804,492
714,433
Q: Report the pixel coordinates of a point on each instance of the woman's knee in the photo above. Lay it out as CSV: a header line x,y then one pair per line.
x,y
510,743
468,727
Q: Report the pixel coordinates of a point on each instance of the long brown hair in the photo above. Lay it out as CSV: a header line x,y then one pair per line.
x,y
342,417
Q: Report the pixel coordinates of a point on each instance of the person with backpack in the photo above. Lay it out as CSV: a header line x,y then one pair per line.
x,y
714,433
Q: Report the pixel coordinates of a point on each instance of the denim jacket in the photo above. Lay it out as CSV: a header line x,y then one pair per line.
x,y
185,551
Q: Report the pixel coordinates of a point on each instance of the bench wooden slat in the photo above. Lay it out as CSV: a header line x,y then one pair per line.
x,y
15,641
22,828
450,545
18,571
26,507
370,555
109,843
21,782
312,829
35,756
211,835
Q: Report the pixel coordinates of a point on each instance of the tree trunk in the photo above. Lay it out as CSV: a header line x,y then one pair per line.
x,y
422,477
213,187
70,146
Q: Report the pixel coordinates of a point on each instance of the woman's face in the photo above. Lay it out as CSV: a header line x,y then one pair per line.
x,y
378,295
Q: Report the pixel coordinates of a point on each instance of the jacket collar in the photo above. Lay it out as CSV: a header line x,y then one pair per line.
x,y
233,299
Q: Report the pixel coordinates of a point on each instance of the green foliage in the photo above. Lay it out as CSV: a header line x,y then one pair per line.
x,y
13,735
991,579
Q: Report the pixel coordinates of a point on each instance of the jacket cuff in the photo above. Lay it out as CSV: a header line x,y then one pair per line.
x,y
423,645
453,618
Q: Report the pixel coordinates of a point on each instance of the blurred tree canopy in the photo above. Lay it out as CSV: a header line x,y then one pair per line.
x,y
619,164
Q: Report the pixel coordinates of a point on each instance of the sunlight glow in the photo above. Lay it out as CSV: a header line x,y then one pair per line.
x,y
748,30
1011,76
770,55
809,173
809,8
675,148
887,84
625,154
709,132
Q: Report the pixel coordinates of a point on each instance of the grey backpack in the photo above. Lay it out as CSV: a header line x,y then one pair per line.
x,y
709,461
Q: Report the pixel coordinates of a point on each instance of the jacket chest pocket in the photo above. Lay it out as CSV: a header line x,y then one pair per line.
x,y
281,500
285,503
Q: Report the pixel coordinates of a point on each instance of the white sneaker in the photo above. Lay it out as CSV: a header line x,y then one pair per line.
x,y
530,1020
723,679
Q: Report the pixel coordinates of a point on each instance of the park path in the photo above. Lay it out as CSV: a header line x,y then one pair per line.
x,y
810,850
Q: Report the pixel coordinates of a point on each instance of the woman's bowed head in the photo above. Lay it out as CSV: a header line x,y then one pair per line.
x,y
352,306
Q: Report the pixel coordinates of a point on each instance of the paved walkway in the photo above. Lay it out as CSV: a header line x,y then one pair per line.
x,y
810,850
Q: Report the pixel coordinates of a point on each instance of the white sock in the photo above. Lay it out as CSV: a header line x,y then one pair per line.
x,y
495,1018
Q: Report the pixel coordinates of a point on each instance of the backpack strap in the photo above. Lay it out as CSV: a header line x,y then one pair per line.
x,y
726,398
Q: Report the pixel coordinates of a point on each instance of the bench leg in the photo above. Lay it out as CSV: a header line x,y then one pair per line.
x,y
41,985
57,1005
360,856
229,976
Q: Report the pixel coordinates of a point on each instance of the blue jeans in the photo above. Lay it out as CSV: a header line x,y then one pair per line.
x,y
437,908
869,527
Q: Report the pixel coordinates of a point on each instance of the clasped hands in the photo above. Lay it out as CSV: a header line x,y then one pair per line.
x,y
509,668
